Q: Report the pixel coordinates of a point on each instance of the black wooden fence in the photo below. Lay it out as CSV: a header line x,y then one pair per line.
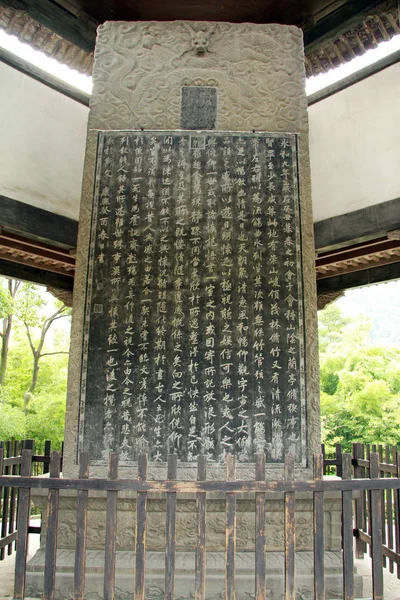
x,y
376,502
10,464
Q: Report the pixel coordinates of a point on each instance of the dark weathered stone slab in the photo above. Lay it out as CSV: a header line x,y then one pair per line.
x,y
199,107
194,338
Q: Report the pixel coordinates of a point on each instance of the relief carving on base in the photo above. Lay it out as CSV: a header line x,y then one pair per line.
x,y
186,526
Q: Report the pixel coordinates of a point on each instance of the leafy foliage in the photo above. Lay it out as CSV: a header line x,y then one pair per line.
x,y
29,305
6,302
360,383
35,411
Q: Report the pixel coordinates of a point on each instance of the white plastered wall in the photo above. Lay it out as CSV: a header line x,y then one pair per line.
x,y
42,144
354,145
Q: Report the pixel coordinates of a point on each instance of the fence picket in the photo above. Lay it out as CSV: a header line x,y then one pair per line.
x,y
382,474
396,494
347,533
230,548
376,531
389,512
368,457
24,500
318,522
141,522
260,547
5,503
111,531
323,458
81,530
170,531
13,500
47,454
51,532
339,459
200,558
359,504
1,493
28,445
290,533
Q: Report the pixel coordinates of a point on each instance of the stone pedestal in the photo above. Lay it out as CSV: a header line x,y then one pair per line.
x,y
184,576
185,545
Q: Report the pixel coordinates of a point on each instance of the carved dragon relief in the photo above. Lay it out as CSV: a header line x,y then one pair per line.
x,y
140,68
186,532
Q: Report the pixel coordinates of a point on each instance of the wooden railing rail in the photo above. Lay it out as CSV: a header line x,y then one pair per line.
x,y
10,464
378,509
367,525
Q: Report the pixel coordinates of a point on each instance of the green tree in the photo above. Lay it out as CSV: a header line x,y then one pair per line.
x,y
37,325
12,423
46,415
360,383
8,293
331,324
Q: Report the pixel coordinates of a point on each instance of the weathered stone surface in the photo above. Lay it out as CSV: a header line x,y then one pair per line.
x,y
198,107
196,342
185,539
186,526
140,71
141,67
184,578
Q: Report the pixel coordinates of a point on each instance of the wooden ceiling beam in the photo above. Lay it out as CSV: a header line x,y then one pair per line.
x,y
35,275
36,262
337,21
341,255
45,258
80,32
346,281
10,240
361,264
80,28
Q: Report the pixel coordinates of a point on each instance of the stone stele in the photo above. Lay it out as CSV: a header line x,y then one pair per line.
x,y
255,74
255,77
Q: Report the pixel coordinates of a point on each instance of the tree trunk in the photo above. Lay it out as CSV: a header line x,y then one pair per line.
x,y
37,352
35,372
7,327
13,286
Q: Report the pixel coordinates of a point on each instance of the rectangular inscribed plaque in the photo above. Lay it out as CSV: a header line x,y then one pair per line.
x,y
194,336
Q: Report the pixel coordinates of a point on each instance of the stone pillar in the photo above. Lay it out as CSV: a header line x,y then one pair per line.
x,y
235,380
194,326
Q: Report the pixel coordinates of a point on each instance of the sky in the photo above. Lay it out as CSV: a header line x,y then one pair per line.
x,y
381,304
84,83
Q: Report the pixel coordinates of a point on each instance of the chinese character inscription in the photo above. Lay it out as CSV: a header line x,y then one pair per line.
x,y
194,336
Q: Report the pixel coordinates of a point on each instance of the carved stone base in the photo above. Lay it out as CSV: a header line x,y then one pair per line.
x,y
185,545
184,576
186,522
